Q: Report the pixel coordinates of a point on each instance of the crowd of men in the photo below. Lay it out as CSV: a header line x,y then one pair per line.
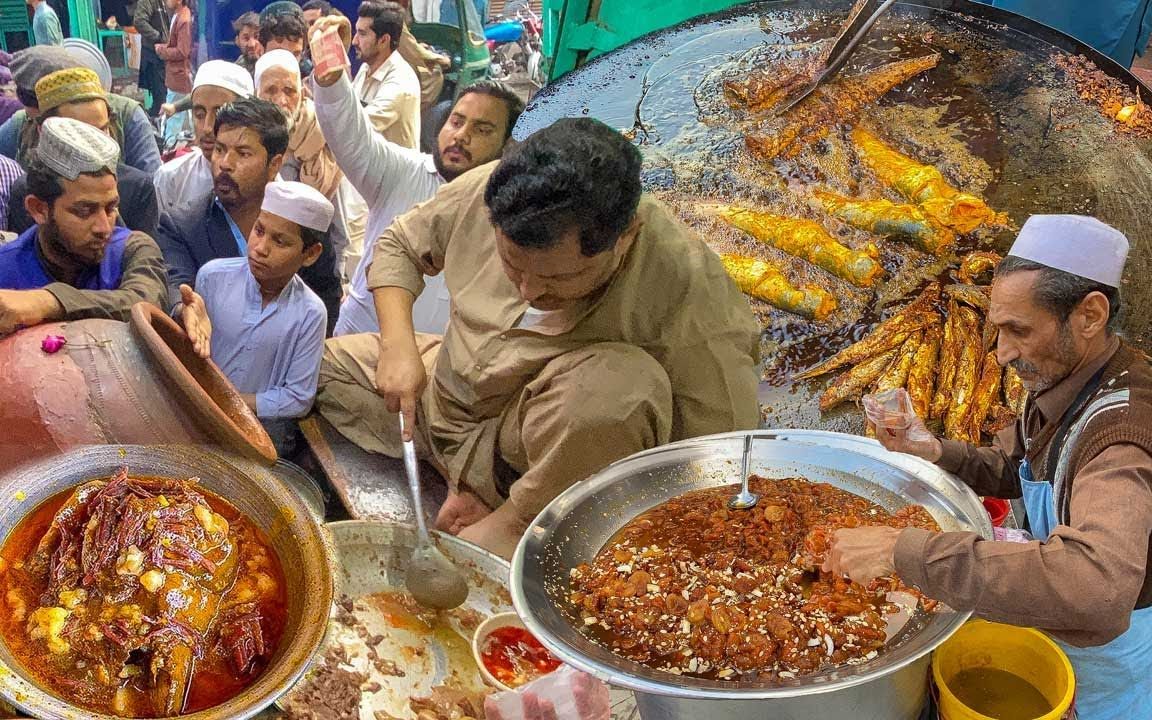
x,y
500,297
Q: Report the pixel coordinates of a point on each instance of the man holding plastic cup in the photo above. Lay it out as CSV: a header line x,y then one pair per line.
x,y
1080,458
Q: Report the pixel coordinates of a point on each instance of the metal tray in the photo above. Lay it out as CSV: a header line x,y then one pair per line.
x,y
573,528
372,558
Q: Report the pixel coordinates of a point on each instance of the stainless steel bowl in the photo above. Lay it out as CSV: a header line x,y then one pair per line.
x,y
577,524
299,540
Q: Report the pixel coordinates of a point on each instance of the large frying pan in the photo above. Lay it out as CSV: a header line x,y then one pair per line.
x,y
997,92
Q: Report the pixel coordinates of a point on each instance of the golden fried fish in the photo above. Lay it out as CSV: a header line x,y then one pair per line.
x,y
762,280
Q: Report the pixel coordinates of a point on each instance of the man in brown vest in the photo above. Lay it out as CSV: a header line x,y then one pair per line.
x,y
1080,457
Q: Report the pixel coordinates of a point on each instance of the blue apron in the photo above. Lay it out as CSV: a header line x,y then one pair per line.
x,y
1113,681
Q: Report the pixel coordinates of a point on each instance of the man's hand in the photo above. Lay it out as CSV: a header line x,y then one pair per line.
x,y
915,439
167,110
342,25
400,378
26,308
461,510
194,316
863,554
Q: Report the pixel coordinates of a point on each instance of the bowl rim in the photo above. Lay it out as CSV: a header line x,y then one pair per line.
x,y
666,684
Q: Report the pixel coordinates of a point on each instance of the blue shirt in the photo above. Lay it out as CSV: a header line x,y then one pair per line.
x,y
1118,28
22,269
271,351
46,26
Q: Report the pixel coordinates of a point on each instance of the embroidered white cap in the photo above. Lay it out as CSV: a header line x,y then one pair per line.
x,y
70,147
224,74
300,203
1077,244
276,58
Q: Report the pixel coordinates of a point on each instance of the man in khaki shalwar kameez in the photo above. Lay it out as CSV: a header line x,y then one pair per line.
x,y
587,324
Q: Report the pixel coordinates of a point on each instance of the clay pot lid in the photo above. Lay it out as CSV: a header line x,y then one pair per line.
x,y
204,391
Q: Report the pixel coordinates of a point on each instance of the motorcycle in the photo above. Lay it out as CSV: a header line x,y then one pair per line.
x,y
515,43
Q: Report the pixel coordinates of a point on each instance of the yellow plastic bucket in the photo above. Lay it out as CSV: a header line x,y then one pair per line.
x,y
1026,653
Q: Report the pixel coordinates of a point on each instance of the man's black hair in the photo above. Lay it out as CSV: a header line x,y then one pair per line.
x,y
387,19
44,182
323,6
501,91
248,19
283,26
266,119
1061,292
27,97
577,173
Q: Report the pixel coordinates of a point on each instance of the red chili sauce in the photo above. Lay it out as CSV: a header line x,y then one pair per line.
x,y
515,657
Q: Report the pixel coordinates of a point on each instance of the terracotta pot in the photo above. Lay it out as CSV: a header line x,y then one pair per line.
x,y
114,382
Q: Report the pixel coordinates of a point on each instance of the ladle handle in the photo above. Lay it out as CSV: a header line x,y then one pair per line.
x,y
851,37
412,469
744,462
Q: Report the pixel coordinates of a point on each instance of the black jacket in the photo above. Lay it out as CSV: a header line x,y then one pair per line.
x,y
151,20
201,233
138,208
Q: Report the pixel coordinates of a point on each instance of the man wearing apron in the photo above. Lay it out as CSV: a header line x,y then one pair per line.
x,y
1080,457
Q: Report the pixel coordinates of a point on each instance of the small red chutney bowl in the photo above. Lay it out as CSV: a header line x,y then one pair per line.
x,y
997,510
508,655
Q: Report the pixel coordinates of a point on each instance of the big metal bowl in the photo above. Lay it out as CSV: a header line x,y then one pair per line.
x,y
578,523
295,534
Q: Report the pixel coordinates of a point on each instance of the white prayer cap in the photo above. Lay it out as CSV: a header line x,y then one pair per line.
x,y
69,147
276,58
1076,244
224,74
298,203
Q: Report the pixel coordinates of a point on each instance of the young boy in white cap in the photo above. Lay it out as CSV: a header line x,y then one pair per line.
x,y
1079,460
257,319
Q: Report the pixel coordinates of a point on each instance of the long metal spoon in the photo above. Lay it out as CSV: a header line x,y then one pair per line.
x,y
431,578
849,38
745,499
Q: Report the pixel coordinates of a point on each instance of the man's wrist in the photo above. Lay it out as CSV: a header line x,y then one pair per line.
x,y
45,308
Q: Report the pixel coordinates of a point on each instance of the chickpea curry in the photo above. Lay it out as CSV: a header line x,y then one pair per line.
x,y
693,588
141,597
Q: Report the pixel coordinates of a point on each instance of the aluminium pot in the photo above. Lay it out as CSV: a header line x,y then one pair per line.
x,y
302,544
578,523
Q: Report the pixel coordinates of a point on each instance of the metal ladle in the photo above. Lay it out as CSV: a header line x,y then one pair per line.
x,y
431,578
745,499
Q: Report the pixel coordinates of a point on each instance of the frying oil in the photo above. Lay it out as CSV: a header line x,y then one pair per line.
x,y
999,694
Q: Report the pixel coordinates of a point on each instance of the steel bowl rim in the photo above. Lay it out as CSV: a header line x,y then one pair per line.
x,y
618,675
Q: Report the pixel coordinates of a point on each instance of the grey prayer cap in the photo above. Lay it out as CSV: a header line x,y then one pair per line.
x,y
30,65
70,148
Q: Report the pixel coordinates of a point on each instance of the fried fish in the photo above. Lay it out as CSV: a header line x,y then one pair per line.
x,y
838,101
984,397
922,375
924,185
887,335
805,239
884,217
852,384
762,280
968,366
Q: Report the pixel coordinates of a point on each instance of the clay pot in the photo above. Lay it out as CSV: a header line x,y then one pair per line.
x,y
127,383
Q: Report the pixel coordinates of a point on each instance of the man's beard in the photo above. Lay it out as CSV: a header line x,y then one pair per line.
x,y
60,250
292,118
1065,357
449,174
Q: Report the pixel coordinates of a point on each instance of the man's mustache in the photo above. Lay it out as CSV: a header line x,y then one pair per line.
x,y
1023,367
467,155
